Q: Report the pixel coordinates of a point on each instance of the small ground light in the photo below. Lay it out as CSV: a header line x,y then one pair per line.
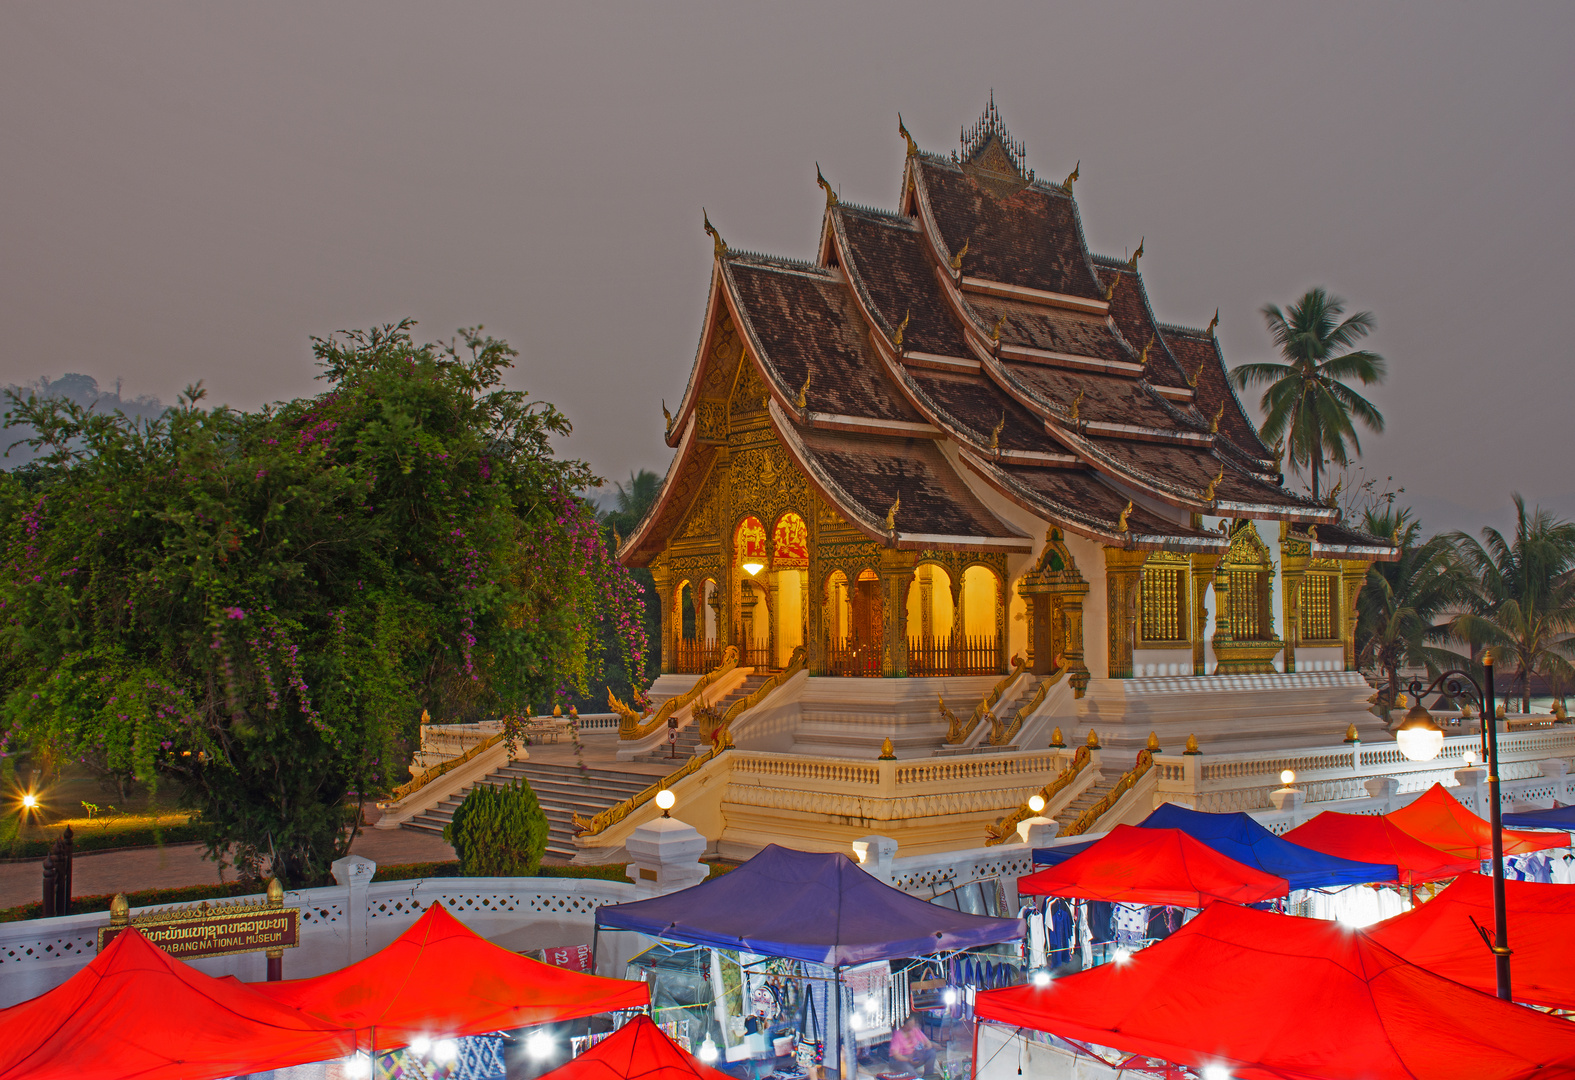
x,y
1036,803
1122,956
29,801
539,1045
950,997
1041,978
1216,1072
665,799
1471,758
445,1050
420,1045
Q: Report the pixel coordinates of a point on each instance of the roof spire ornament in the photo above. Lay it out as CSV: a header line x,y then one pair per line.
x,y
995,436
1077,403
1143,360
803,402
992,158
995,334
896,339
958,258
1208,496
667,416
1192,380
831,196
1121,522
902,129
1071,177
891,515
1214,322
1110,290
1214,425
1136,255
716,237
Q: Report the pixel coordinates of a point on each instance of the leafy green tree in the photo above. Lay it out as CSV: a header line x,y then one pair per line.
x,y
498,831
1521,608
1307,403
260,605
1403,609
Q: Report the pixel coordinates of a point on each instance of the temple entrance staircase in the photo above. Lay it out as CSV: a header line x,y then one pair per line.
x,y
689,741
1106,779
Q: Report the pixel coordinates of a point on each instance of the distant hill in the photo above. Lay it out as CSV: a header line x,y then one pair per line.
x,y
85,391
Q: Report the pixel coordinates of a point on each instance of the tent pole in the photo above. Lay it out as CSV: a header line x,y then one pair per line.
x,y
842,1056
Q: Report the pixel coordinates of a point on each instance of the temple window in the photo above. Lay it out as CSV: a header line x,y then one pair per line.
x,y
1163,601
1320,607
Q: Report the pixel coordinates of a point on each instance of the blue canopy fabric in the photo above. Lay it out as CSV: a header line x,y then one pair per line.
x,y
1562,817
1239,837
822,908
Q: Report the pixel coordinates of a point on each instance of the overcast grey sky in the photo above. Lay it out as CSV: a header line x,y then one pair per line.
x,y
187,191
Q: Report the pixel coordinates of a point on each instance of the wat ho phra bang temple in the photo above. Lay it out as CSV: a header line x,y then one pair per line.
x,y
957,456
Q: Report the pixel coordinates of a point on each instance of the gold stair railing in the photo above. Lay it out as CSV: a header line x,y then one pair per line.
x,y
956,730
1007,826
416,783
618,811
629,725
1001,734
707,727
1088,818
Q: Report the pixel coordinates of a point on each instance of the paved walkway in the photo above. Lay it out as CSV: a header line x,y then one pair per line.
x,y
103,873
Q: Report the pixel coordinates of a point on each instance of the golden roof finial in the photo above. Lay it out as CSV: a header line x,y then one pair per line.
x,y
896,339
667,416
802,401
831,196
888,752
891,515
902,129
1312,533
1352,735
1071,177
1192,380
958,258
1214,322
995,436
1143,360
1056,739
1110,290
1208,496
1121,522
1077,404
1214,425
617,539
1093,739
718,243
1136,255
1152,746
1192,745
995,334
275,892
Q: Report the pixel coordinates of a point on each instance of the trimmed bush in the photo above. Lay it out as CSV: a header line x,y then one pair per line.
x,y
498,831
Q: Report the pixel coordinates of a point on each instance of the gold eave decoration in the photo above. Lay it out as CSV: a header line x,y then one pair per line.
x,y
718,244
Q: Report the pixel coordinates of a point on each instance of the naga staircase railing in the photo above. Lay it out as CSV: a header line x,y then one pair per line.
x,y
956,730
708,727
629,723
618,811
1088,818
1001,734
421,780
1007,826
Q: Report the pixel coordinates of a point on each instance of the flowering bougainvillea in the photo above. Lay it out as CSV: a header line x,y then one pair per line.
x,y
261,604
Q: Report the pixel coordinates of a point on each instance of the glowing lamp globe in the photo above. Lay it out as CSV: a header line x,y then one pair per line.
x,y
1041,978
539,1045
29,801
753,568
1036,803
1470,757
665,799
1287,777
1419,738
708,1050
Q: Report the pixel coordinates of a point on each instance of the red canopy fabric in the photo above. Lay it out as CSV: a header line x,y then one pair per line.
x,y
1369,838
637,1051
439,978
136,1011
1437,819
1153,866
1269,995
1439,936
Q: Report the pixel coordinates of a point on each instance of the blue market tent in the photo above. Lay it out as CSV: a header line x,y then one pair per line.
x,y
1562,817
822,908
1239,837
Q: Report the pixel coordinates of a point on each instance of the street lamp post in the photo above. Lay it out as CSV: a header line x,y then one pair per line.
x,y
1421,739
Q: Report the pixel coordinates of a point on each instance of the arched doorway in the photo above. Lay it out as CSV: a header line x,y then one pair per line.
x,y
930,618
789,585
855,617
978,641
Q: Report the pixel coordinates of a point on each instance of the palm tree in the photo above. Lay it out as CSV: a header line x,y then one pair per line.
x,y
1522,603
1400,610
1307,399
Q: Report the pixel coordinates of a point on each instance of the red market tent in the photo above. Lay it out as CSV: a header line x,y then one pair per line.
x,y
637,1051
136,1011
1153,866
441,979
1369,838
1437,819
1440,937
1267,995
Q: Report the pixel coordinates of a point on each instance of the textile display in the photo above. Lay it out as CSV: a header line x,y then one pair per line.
x,y
1153,866
819,907
1437,819
637,1051
440,979
1440,937
1377,839
136,1011
478,1057
1356,906
1268,995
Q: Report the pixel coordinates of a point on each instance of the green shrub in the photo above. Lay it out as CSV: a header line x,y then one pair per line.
x,y
498,831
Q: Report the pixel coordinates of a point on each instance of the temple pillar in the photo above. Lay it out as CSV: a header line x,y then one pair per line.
x,y
1353,575
661,580
1294,559
1203,569
772,614
896,575
746,621
1077,668
955,644
1122,571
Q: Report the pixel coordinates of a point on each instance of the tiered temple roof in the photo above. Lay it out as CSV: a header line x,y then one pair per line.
x,y
970,343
